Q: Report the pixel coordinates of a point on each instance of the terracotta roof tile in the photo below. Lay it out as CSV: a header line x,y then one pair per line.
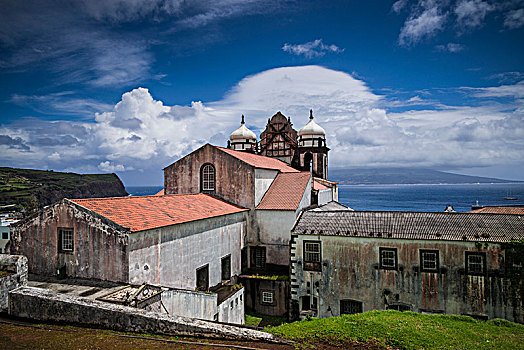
x,y
412,225
160,193
499,210
317,185
148,212
286,191
260,161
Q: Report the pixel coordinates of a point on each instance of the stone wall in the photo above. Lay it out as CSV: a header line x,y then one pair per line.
x,y
189,303
350,271
99,246
43,305
13,274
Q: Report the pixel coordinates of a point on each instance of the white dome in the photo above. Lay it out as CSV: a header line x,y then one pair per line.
x,y
242,133
311,128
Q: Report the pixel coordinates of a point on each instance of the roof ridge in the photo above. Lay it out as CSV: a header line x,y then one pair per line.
x,y
130,196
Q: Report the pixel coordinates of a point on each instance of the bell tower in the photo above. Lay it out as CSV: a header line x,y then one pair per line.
x,y
312,148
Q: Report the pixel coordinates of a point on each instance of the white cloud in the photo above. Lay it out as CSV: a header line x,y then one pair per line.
x,y
144,134
421,24
109,167
311,49
471,13
514,19
450,47
514,91
399,5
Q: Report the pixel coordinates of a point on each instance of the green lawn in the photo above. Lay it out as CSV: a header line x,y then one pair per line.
x,y
405,330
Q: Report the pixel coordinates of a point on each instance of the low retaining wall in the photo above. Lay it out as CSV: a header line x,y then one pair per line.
x,y
43,305
13,274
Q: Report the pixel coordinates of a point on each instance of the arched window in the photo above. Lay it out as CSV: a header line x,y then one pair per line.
x,y
207,176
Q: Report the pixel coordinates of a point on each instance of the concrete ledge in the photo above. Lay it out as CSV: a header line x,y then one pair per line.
x,y
13,274
43,305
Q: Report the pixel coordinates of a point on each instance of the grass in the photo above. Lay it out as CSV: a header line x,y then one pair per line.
x,y
405,330
263,320
18,186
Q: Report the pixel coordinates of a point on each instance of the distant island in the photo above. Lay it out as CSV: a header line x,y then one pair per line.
x,y
387,176
33,189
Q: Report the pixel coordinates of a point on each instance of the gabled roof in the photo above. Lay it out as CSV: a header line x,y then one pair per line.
x,y
412,225
286,191
317,185
331,206
499,210
148,212
259,161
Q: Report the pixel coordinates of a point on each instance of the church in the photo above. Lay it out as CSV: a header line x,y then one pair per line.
x,y
224,220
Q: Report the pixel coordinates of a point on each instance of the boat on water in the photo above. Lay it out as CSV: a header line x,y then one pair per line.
x,y
510,198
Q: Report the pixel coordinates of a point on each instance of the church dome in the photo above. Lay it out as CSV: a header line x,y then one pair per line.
x,y
312,128
242,133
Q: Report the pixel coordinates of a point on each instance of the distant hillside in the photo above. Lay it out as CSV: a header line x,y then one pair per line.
x,y
403,176
33,189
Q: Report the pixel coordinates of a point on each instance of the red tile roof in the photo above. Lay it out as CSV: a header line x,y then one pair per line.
x,y
286,191
148,212
317,185
260,161
499,210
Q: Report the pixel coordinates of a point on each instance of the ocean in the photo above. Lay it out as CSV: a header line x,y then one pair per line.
x,y
430,197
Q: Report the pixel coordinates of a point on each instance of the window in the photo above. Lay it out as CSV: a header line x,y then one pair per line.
x,y
226,268
65,240
5,235
258,257
267,297
399,307
306,302
312,256
202,275
350,307
388,258
207,176
475,263
429,260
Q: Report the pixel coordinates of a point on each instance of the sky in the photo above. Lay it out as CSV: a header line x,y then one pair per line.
x,y
93,86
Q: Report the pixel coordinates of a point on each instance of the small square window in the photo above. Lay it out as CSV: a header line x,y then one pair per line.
x,y
476,263
429,260
267,297
5,235
388,258
65,240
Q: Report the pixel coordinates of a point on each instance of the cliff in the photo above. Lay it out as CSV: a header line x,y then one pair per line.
x,y
32,189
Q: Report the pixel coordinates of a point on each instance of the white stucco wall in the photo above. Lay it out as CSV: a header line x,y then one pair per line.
x,y
325,196
263,180
190,303
170,256
306,198
232,309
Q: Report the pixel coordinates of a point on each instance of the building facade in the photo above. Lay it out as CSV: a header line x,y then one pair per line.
x,y
347,262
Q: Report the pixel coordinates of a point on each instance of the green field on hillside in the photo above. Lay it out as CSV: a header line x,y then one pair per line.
x,y
30,188
404,330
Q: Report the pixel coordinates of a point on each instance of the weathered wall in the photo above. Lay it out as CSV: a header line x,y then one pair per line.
x,y
170,255
275,233
43,305
100,248
350,270
253,295
235,180
13,274
263,180
188,303
4,230
231,310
